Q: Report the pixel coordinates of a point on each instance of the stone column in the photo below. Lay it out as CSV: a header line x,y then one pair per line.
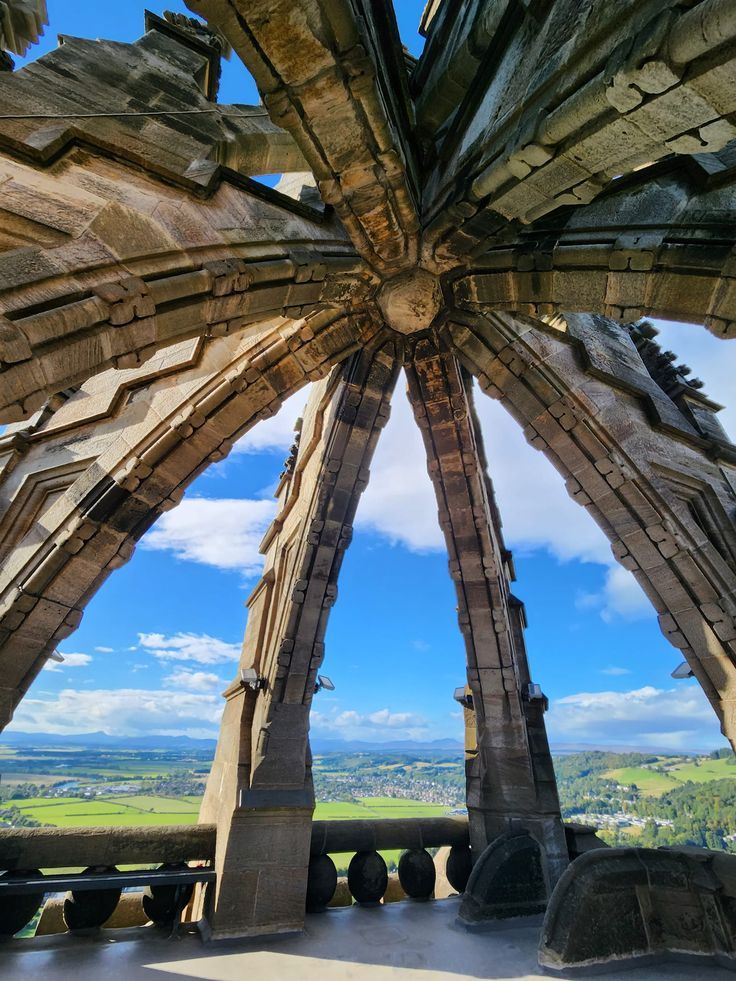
x,y
510,780
260,792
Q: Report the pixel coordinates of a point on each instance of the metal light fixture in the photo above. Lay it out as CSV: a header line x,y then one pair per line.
x,y
463,698
533,693
682,671
55,656
323,682
250,678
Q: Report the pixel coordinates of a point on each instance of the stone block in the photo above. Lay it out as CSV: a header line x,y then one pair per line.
x,y
667,902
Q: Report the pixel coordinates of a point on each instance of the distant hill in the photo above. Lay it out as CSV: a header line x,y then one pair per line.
x,y
101,740
394,745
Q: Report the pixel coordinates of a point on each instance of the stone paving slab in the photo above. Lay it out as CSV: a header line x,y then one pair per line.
x,y
400,942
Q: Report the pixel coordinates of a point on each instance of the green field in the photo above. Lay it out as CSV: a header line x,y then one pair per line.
x,y
650,782
64,812
376,807
703,770
655,779
67,812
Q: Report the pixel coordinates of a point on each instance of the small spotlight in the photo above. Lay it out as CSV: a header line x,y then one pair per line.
x,y
251,679
682,671
323,682
533,693
55,656
463,698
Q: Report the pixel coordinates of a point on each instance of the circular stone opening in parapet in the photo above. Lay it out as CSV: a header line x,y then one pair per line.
x,y
410,302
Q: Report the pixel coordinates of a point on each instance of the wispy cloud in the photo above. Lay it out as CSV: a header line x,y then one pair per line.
x,y
614,671
674,718
620,597
187,680
382,723
121,712
200,648
224,533
70,661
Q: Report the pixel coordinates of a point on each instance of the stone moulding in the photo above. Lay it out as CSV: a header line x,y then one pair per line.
x,y
622,907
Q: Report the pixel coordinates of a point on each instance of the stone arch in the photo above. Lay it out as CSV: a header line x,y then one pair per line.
x,y
586,400
510,781
120,236
109,490
659,243
259,792
137,266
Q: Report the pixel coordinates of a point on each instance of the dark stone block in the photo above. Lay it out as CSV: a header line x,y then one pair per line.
x,y
163,904
321,883
417,873
87,910
507,880
631,905
18,911
459,866
367,877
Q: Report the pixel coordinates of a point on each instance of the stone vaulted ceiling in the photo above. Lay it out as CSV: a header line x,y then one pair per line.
x,y
548,172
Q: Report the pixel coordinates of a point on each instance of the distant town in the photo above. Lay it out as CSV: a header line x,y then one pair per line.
x,y
630,797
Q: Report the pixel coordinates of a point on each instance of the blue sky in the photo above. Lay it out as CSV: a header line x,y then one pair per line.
x,y
160,641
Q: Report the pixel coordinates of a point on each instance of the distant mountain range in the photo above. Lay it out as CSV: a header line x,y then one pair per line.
x,y
101,740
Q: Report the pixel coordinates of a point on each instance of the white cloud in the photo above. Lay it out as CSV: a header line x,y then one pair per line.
x,y
224,533
276,433
121,712
675,718
399,502
615,672
536,509
359,725
188,680
382,719
105,650
200,648
620,598
70,661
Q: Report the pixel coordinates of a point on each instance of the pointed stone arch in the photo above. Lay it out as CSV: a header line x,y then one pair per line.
x,y
510,779
259,792
109,490
624,448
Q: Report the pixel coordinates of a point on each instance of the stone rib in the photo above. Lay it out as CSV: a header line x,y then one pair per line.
x,y
662,245
319,71
606,95
510,779
121,267
260,788
646,490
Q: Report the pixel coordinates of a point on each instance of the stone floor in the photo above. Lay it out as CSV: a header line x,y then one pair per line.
x,y
400,942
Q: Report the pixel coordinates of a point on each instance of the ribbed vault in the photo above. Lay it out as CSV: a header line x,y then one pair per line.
x,y
506,207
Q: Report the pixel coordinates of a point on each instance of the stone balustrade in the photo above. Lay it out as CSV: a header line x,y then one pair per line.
x,y
172,859
368,880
